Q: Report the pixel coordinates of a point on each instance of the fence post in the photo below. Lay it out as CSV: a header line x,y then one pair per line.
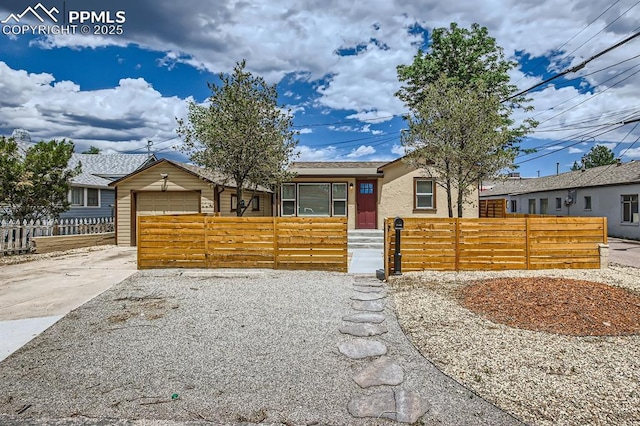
x,y
275,242
528,240
457,242
206,241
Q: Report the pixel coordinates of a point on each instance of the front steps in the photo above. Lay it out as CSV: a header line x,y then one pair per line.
x,y
372,239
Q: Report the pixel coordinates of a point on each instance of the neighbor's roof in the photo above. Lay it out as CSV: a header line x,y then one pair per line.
x,y
102,169
199,172
622,174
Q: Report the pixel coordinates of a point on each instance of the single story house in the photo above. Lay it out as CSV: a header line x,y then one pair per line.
x,y
171,187
607,191
90,194
365,192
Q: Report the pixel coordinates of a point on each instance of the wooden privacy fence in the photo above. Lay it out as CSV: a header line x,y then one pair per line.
x,y
493,208
454,244
201,241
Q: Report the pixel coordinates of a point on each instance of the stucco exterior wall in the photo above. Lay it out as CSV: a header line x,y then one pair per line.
x,y
396,196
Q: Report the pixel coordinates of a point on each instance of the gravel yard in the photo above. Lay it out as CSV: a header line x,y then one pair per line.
x,y
540,377
223,346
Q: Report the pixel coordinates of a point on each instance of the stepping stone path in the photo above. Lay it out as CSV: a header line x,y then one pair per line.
x,y
400,405
367,284
369,305
362,348
363,317
363,330
368,296
368,289
382,371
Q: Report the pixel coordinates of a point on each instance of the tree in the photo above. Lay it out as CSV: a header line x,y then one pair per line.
x,y
242,134
35,185
92,150
457,135
468,64
599,155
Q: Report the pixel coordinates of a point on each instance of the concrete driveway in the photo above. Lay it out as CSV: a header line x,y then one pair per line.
x,y
624,252
36,294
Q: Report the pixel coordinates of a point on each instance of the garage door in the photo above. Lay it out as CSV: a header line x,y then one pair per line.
x,y
156,203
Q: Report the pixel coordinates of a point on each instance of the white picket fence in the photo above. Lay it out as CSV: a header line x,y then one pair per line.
x,y
16,237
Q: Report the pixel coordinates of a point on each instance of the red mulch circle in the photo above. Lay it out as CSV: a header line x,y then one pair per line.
x,y
555,305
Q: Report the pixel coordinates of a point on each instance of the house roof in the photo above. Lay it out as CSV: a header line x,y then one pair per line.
x,y
337,168
612,174
199,172
101,169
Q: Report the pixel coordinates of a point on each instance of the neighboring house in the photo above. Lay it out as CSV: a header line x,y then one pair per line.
x,y
171,187
606,191
365,192
90,194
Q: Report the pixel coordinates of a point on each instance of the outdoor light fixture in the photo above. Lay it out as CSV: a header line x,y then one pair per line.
x,y
351,185
164,177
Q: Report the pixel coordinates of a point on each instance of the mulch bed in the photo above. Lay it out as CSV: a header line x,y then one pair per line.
x,y
555,305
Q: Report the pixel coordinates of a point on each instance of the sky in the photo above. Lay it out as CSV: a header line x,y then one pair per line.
x,y
334,64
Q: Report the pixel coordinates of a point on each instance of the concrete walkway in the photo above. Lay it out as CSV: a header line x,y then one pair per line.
x,y
366,261
34,295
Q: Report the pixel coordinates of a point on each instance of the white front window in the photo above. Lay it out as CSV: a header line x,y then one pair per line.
x,y
630,208
313,199
84,197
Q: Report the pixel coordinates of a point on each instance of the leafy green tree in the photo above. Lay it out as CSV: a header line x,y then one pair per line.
x,y
242,134
92,150
599,155
35,185
457,136
469,64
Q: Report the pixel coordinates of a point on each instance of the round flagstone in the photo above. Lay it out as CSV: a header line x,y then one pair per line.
x,y
410,406
381,404
368,296
362,348
402,406
364,317
369,305
363,330
382,371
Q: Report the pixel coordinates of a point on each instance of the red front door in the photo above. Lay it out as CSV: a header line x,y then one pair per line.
x,y
366,197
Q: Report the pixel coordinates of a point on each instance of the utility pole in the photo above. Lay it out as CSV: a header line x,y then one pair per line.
x,y
149,145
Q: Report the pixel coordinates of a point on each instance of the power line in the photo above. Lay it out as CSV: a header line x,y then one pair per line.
x,y
599,32
575,68
575,35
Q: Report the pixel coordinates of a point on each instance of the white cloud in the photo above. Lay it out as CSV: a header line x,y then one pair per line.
x,y
398,150
300,41
121,118
361,151
632,153
574,150
315,154
610,146
305,131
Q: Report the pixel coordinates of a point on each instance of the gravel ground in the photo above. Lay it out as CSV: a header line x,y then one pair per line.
x,y
219,346
541,378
